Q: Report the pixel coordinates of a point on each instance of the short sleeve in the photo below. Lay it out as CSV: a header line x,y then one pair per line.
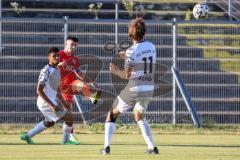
x,y
129,58
43,76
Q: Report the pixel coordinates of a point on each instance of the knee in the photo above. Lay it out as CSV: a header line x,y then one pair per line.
x,y
48,124
77,86
69,120
138,115
112,115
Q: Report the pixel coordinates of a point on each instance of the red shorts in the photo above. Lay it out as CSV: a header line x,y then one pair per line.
x,y
66,91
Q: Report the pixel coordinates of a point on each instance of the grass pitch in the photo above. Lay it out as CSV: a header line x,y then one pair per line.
x,y
125,146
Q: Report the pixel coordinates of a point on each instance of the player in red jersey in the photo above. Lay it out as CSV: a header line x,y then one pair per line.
x,y
72,81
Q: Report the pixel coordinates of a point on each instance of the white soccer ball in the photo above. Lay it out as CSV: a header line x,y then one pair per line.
x,y
200,10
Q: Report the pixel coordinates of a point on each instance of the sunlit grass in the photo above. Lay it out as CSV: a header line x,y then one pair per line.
x,y
125,146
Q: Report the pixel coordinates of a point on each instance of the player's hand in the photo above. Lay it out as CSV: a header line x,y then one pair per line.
x,y
113,68
61,64
122,54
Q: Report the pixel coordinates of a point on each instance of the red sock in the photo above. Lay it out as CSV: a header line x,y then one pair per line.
x,y
86,91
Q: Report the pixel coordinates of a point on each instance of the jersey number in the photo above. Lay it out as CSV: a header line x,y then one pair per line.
x,y
145,64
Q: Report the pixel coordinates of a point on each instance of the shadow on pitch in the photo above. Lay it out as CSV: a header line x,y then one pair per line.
x,y
200,145
24,144
131,144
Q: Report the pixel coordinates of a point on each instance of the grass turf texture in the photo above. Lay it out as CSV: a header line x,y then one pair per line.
x,y
125,146
174,142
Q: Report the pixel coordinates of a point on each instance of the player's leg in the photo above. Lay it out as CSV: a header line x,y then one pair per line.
x,y
67,128
67,93
139,111
110,127
88,90
50,118
119,106
96,92
72,136
36,130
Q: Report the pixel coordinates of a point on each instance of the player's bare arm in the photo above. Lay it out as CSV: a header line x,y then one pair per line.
x,y
41,93
124,74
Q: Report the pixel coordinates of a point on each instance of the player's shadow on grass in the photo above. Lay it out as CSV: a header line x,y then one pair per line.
x,y
200,145
130,144
24,144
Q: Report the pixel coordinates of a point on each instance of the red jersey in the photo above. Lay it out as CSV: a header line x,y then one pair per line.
x,y
67,71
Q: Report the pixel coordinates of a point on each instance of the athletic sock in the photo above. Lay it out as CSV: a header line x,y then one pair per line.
x,y
109,130
146,132
66,132
36,129
87,91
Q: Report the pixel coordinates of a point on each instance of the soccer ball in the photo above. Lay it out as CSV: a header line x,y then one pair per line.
x,y
200,10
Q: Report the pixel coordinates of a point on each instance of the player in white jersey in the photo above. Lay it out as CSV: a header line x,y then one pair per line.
x,y
139,69
50,101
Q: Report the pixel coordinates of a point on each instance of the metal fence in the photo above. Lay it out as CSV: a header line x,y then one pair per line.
x,y
212,69
229,6
208,56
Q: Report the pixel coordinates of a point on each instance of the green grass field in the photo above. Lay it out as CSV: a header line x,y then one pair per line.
x,y
173,145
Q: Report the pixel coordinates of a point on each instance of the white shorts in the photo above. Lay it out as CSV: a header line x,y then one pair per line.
x,y
139,105
49,114
128,99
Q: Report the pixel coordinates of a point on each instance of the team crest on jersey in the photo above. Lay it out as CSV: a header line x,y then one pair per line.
x,y
69,68
71,64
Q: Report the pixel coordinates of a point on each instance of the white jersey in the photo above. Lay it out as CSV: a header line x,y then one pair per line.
x,y
141,57
50,78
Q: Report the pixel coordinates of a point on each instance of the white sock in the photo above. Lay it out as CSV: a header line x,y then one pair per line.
x,y
109,130
36,129
146,132
66,132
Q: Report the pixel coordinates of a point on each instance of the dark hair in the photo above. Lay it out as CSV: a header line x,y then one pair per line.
x,y
74,39
137,29
52,50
